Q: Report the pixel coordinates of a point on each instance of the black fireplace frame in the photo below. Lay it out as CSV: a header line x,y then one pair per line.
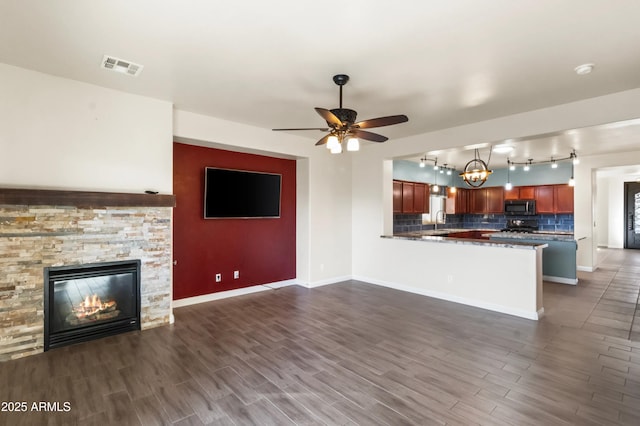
x,y
94,331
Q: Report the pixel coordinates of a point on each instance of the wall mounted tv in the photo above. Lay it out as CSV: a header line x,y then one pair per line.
x,y
243,194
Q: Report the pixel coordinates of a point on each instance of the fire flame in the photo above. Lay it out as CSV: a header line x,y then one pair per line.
x,y
91,305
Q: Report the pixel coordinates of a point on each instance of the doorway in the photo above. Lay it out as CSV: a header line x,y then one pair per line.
x,y
632,215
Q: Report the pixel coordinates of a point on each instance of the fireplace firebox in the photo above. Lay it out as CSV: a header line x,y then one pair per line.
x,y
86,302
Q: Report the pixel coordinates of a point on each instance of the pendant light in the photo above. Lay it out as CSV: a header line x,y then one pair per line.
x,y
435,188
476,171
508,186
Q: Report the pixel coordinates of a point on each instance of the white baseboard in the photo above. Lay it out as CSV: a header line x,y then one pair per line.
x,y
231,293
586,268
327,281
532,315
561,280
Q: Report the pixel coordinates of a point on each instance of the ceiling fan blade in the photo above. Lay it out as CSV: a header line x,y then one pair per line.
x,y
381,121
369,136
329,117
323,140
323,129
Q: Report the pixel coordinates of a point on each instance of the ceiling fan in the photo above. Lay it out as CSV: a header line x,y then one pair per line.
x,y
343,126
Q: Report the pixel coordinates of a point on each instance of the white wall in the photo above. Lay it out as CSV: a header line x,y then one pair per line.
x,y
323,191
601,219
62,134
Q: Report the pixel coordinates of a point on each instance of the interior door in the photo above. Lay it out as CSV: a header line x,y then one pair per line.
x,y
632,215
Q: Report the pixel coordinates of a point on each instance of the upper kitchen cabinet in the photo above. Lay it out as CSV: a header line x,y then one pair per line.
x,y
477,201
407,197
495,199
544,196
520,193
563,198
397,196
527,192
554,199
420,197
487,200
457,202
410,197
512,194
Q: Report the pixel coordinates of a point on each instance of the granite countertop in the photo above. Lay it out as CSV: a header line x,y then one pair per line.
x,y
540,235
441,232
420,236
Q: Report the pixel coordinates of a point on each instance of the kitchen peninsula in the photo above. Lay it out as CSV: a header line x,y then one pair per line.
x,y
502,276
558,258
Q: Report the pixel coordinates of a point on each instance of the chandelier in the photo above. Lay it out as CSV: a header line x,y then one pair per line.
x,y
476,171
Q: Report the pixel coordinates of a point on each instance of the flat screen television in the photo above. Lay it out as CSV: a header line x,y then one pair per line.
x,y
243,194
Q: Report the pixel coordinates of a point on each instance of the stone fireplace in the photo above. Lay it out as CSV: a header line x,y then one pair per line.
x,y
51,230
87,302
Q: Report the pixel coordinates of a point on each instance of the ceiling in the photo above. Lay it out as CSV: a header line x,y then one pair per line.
x,y
268,64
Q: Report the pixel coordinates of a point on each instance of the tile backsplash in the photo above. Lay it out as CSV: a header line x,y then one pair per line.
x,y
546,222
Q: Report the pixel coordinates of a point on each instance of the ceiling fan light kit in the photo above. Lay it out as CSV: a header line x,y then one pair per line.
x,y
343,127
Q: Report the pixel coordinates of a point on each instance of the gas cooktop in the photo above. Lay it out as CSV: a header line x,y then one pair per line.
x,y
521,225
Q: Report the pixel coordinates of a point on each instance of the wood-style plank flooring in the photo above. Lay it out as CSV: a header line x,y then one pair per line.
x,y
355,354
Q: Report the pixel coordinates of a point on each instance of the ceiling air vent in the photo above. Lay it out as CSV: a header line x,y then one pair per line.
x,y
120,65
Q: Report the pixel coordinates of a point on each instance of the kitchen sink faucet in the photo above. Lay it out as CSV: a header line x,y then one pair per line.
x,y
444,218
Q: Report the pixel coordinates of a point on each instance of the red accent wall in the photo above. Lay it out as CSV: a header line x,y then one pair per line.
x,y
263,250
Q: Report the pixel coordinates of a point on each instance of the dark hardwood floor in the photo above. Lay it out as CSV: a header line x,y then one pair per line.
x,y
354,353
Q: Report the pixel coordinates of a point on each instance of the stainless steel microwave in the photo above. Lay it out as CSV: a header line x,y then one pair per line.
x,y
519,207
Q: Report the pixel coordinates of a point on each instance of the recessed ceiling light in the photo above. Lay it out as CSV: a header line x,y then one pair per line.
x,y
584,69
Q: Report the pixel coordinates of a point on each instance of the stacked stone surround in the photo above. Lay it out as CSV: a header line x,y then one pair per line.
x,y
35,237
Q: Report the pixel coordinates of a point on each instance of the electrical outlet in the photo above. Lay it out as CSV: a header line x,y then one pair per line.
x,y
236,275
218,278
449,278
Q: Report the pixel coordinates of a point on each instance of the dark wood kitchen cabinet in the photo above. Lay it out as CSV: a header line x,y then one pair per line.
x,y
563,199
550,199
545,199
397,196
495,199
407,197
410,197
487,200
527,193
420,198
477,201
457,202
512,194
520,193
